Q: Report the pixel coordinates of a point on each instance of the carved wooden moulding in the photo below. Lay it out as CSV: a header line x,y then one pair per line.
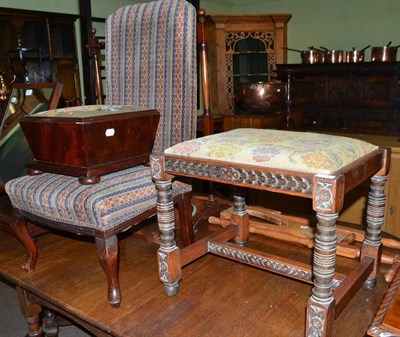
x,y
298,184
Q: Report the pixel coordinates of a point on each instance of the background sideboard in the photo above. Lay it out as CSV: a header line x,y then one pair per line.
x,y
353,97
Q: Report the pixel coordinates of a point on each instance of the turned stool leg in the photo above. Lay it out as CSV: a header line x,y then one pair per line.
x,y
372,245
321,305
169,262
241,218
327,202
31,312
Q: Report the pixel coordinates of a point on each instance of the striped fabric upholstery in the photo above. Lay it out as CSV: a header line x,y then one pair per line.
x,y
118,197
155,65
150,62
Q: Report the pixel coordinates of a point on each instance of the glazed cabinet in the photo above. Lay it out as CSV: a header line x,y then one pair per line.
x,y
243,48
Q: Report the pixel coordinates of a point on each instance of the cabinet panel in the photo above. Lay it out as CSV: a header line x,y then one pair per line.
x,y
378,91
35,48
337,91
357,97
310,90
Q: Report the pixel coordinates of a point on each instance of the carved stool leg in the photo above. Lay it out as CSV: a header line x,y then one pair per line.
x,y
169,263
372,245
107,252
321,305
19,226
240,217
31,312
327,202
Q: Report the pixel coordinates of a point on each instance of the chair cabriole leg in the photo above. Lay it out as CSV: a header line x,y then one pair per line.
x,y
107,252
19,226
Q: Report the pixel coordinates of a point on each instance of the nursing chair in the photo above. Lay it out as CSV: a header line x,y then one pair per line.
x,y
150,62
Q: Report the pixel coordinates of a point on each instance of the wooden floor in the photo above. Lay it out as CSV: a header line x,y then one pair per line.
x,y
218,297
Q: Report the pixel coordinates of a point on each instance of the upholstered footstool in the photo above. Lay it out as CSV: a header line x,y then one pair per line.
x,y
308,165
103,210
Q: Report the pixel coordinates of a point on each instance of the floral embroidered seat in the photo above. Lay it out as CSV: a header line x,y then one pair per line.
x,y
284,150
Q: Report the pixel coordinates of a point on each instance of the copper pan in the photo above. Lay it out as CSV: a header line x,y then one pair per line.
x,y
356,56
332,56
310,56
384,54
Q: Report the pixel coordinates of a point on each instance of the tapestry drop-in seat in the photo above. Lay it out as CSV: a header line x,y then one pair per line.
x,y
317,166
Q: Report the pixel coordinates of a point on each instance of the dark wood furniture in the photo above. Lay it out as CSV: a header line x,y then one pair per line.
x,y
125,135
349,97
41,47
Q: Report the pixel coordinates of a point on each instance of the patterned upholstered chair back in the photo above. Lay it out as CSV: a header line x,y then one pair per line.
x,y
156,67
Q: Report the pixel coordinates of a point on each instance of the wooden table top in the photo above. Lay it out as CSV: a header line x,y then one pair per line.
x,y
218,297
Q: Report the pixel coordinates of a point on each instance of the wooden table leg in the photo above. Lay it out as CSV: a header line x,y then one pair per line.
x,y
169,258
31,312
372,245
50,326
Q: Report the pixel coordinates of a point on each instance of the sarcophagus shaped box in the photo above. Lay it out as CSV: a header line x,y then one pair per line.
x,y
89,141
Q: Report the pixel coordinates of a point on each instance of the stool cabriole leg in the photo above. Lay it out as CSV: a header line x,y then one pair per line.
x,y
372,245
169,263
